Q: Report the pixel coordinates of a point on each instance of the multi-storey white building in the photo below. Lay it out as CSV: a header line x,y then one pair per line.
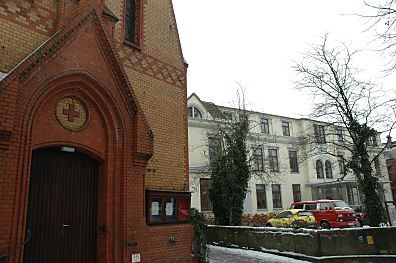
x,y
289,158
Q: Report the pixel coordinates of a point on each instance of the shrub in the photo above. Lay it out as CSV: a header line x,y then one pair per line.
x,y
257,219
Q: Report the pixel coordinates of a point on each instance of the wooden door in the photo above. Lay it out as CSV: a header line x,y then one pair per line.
x,y
62,207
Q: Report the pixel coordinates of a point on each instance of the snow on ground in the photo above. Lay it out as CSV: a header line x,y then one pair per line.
x,y
235,255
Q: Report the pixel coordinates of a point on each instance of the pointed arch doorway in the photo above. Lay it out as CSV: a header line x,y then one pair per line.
x,y
62,207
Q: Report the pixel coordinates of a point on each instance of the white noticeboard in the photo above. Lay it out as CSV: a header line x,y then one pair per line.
x,y
169,209
154,208
135,258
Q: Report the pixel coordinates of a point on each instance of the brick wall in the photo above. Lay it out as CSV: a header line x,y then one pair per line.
x,y
120,123
158,75
24,25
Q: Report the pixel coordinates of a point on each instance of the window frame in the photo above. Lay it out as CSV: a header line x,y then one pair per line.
x,y
286,128
193,112
209,204
339,133
319,133
274,195
328,170
258,159
377,166
319,169
214,147
293,162
163,196
296,193
271,159
341,164
137,41
264,125
264,192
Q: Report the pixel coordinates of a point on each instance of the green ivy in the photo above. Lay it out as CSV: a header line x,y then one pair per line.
x,y
198,220
360,164
230,172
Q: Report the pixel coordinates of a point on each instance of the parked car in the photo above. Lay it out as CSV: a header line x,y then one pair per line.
x,y
329,213
296,218
360,211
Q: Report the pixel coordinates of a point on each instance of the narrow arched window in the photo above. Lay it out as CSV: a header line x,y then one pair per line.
x,y
131,20
319,169
329,171
194,113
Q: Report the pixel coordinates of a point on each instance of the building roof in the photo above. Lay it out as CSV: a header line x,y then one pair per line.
x,y
213,110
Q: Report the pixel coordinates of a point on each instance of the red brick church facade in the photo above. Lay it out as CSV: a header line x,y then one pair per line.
x,y
93,133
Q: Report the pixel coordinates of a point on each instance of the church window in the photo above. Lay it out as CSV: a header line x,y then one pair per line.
x,y
132,15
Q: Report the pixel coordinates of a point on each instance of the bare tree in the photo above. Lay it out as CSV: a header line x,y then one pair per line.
x,y
358,107
381,17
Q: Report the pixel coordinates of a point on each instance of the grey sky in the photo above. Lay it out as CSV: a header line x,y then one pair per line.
x,y
254,43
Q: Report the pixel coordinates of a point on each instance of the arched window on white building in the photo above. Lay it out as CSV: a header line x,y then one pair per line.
x,y
319,169
194,113
329,171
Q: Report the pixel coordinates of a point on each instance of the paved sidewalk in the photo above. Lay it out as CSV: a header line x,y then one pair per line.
x,y
233,255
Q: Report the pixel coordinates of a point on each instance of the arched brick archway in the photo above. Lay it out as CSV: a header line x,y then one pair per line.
x,y
107,133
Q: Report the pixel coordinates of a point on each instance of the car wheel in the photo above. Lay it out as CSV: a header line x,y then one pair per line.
x,y
325,225
360,223
268,225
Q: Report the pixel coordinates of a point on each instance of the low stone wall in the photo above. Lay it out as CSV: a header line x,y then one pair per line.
x,y
318,243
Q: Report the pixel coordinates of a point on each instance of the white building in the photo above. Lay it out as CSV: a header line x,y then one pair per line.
x,y
292,168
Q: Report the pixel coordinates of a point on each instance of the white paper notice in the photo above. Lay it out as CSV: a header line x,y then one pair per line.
x,y
154,208
135,258
169,209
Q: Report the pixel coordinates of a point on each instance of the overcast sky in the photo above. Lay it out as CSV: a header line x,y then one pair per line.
x,y
254,43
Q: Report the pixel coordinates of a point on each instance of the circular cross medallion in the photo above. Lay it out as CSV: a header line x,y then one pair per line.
x,y
71,114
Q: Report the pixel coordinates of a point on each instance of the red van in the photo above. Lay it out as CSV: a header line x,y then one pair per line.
x,y
329,213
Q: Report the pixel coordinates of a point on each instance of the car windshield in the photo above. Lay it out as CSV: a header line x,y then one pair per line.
x,y
341,205
304,213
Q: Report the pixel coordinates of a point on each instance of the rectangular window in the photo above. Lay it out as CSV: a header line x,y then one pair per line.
x,y
319,132
214,148
264,125
257,159
163,207
206,205
131,10
293,161
276,196
273,160
372,141
285,128
377,167
296,192
311,207
341,164
261,196
339,134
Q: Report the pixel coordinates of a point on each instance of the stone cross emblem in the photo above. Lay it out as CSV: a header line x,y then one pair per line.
x,y
71,114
